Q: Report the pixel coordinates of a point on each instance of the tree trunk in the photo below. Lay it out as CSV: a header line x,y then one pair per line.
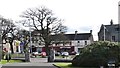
x,y
11,47
27,57
47,52
27,54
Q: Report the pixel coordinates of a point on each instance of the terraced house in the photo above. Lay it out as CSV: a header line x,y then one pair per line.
x,y
67,42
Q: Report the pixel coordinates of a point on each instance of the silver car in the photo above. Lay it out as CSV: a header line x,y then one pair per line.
x,y
65,54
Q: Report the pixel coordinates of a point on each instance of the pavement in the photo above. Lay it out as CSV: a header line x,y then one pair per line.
x,y
29,65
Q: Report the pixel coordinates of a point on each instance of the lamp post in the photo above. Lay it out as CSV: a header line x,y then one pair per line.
x,y
30,36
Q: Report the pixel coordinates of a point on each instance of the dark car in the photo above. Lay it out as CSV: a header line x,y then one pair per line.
x,y
73,53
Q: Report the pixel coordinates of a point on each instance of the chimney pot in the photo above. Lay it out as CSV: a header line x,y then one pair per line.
x,y
111,22
76,32
91,31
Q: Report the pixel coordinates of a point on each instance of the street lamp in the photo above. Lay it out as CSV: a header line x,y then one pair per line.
x,y
30,36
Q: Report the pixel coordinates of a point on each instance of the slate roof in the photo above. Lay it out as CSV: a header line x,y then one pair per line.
x,y
110,28
78,36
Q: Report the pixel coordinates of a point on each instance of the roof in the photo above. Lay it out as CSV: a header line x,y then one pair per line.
x,y
78,36
110,28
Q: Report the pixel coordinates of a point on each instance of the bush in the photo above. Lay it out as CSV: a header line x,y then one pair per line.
x,y
97,54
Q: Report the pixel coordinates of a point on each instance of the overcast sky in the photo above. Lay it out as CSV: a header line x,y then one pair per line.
x,y
80,15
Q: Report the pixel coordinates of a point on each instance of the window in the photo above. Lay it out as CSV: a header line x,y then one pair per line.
x,y
70,43
113,38
116,29
85,42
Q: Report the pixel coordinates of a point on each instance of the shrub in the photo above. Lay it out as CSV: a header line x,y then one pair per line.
x,y
97,54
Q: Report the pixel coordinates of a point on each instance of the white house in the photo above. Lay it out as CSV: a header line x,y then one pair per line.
x,y
75,42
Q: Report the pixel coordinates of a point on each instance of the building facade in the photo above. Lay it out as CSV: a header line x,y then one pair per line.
x,y
109,32
71,42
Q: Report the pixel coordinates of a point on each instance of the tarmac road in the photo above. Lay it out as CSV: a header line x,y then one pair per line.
x,y
35,63
29,65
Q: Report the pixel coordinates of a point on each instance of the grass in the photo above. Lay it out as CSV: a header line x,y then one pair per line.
x,y
11,61
65,65
16,55
68,65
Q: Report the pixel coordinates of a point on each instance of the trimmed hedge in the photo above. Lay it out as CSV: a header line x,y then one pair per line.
x,y
97,54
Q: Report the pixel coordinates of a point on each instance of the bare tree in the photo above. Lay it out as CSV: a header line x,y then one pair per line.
x,y
45,23
8,27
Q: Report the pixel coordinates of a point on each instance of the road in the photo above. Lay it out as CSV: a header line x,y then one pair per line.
x,y
29,65
35,63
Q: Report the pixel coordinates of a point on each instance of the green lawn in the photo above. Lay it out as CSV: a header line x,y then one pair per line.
x,y
11,61
17,55
68,65
63,65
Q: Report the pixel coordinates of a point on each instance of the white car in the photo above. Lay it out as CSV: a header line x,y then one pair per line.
x,y
35,54
65,54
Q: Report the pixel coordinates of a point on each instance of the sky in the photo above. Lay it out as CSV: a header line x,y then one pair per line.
x,y
80,15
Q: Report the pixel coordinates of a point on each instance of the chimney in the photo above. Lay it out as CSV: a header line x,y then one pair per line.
x,y
91,31
76,32
111,22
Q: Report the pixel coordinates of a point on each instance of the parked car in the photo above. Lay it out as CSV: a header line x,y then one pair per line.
x,y
43,54
65,54
73,53
57,53
35,54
